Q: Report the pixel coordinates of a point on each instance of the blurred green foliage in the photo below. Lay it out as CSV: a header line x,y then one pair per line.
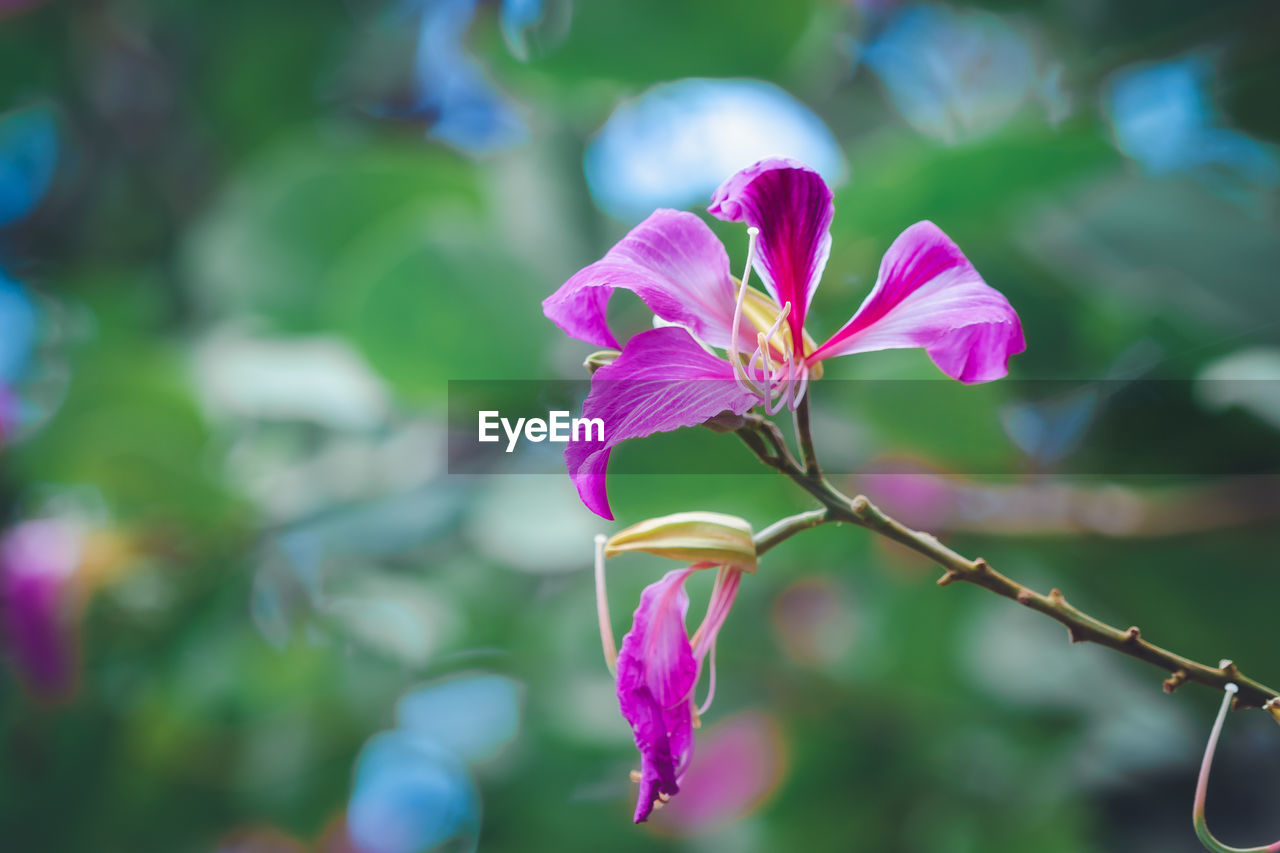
x,y
219,176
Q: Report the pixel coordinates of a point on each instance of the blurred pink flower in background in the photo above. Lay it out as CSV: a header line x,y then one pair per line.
x,y
38,561
8,413
739,764
48,570
814,621
919,495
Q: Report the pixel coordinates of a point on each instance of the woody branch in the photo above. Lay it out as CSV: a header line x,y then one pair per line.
x,y
766,441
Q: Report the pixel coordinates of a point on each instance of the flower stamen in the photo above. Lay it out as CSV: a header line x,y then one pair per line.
x,y
711,685
773,373
1202,783
735,355
762,347
803,384
607,642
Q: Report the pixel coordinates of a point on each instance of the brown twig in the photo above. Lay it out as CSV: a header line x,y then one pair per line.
x,y
765,440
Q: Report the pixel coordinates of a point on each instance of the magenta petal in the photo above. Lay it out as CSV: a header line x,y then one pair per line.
x,y
673,262
662,381
792,207
929,295
656,676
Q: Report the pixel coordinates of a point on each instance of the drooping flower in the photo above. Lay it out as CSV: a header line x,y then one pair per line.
x,y
927,295
659,664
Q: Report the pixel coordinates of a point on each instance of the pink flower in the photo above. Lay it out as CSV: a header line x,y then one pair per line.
x,y
927,295
49,570
658,668
659,664
40,614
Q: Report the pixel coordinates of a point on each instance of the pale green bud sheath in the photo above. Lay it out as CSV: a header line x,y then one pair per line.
x,y
700,538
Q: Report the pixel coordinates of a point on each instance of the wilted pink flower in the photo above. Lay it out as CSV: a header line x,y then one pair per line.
x,y
658,669
927,295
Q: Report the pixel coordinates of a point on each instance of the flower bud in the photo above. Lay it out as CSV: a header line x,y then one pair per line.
x,y
599,359
691,537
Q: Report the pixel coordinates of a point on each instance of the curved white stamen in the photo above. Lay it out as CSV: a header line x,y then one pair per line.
x,y
785,374
773,372
777,323
784,379
711,684
803,383
695,641
735,356
755,367
762,347
722,595
797,383
602,611
793,381
778,404
777,389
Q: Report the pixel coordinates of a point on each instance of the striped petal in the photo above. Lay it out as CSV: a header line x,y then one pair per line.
x,y
792,207
673,262
928,295
662,381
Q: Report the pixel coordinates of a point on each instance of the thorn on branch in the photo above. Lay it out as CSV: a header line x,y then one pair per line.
x,y
949,578
1074,633
1175,681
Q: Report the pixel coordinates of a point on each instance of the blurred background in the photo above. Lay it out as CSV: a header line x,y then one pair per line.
x,y
245,606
